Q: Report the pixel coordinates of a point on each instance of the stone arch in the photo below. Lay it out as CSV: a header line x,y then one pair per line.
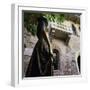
x,y
78,61
56,61
74,29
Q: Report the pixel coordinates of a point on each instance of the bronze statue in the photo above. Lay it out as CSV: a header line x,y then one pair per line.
x,y
41,61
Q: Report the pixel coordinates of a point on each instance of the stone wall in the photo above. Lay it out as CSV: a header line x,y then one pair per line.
x,y
67,59
29,43
68,63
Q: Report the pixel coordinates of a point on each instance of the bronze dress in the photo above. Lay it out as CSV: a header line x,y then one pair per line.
x,y
40,62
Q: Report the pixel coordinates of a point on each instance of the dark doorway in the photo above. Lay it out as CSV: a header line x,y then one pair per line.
x,y
79,63
74,29
56,59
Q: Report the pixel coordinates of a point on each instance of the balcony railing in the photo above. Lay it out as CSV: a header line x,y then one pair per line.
x,y
61,27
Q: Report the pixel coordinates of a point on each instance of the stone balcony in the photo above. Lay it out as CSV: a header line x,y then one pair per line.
x,y
60,30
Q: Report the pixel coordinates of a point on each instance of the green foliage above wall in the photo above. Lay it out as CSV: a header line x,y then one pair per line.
x,y
30,19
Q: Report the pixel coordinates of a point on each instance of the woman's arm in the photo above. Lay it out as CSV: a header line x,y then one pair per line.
x,y
46,36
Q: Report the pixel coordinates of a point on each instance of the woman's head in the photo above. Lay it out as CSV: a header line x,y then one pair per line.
x,y
42,26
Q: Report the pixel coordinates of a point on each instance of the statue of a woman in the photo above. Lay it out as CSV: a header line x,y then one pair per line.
x,y
41,61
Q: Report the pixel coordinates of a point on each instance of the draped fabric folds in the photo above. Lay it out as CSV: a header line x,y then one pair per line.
x,y
40,63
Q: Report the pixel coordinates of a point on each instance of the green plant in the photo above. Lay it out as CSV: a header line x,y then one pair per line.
x,y
30,19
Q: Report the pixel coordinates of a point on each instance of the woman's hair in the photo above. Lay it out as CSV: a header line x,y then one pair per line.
x,y
42,23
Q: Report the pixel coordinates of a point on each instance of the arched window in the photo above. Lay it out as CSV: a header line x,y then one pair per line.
x,y
74,29
56,59
79,63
